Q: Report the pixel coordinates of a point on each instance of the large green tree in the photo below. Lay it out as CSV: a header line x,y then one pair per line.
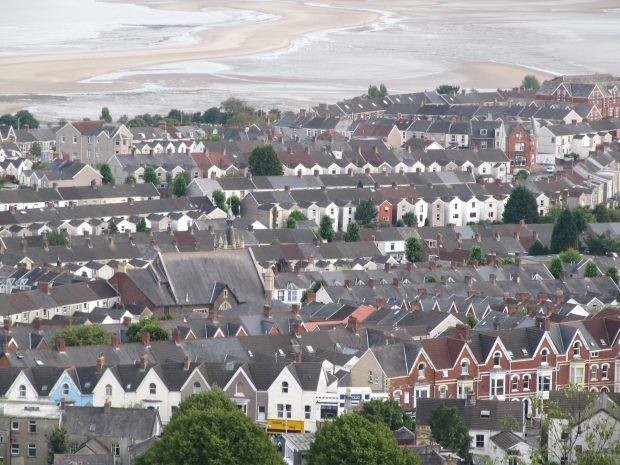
x,y
85,335
153,327
388,412
612,272
297,215
209,429
591,270
179,187
530,82
556,267
106,173
130,179
565,234
477,254
150,176
352,439
537,248
105,115
57,441
235,205
521,204
141,225
353,232
447,89
219,199
326,230
413,250
264,161
449,431
409,219
366,212
36,150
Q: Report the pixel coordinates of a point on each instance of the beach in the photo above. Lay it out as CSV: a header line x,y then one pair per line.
x,y
195,53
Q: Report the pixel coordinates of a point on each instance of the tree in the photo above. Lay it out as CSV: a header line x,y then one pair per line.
x,y
537,248
447,89
36,150
477,254
291,223
209,429
88,335
570,256
472,321
413,250
151,326
130,179
57,441
106,173
591,270
508,261
449,431
565,234
352,439
366,211
150,176
20,120
601,213
141,225
530,82
582,217
521,204
612,272
601,244
56,237
212,116
297,215
353,232
556,267
219,199
326,230
314,288
179,187
375,92
112,228
388,412
264,161
105,115
409,219
235,205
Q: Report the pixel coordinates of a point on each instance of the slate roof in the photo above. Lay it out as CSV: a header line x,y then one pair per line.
x,y
136,423
471,414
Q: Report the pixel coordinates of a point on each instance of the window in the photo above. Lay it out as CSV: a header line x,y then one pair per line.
x,y
465,367
443,391
480,441
544,355
421,367
578,375
108,389
544,383
288,409
497,387
515,383
307,412
75,139
292,296
116,450
15,425
65,389
605,371
593,372
32,450
284,387
62,139
152,389
32,426
197,388
22,390
14,448
370,377
577,349
496,358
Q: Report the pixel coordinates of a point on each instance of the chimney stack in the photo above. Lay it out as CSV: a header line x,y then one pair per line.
x,y
126,320
176,336
352,324
311,297
299,358
396,282
267,310
116,341
186,362
372,283
60,344
295,309
146,338
100,362
348,284
144,360
213,316
559,296
36,324
462,332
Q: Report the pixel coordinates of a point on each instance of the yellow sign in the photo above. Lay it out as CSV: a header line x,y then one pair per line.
x,y
279,425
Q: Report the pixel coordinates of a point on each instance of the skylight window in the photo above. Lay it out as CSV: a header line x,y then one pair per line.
x,y
485,413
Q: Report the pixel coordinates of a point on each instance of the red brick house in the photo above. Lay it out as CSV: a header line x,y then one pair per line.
x,y
521,146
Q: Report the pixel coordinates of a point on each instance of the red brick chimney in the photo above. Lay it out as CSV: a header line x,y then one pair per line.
x,y
432,265
267,310
387,267
176,336
115,341
100,362
380,303
36,324
296,324
187,360
126,320
559,296
311,297
144,361
421,291
60,344
295,309
462,332
348,284
146,339
45,287
352,324
409,266
542,297
213,315
8,324
372,283
299,358
415,306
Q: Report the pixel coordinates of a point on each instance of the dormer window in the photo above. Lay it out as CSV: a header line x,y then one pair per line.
x,y
22,390
483,132
577,349
496,359
464,367
544,355
421,367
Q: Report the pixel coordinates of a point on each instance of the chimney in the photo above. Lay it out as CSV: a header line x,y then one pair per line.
x,y
144,360
454,264
542,297
471,398
295,309
45,287
516,277
186,362
409,266
522,221
60,344
176,336
467,279
387,267
213,315
296,326
523,296
267,310
348,283
535,235
496,323
477,237
462,332
126,320
559,296
396,282
311,297
100,362
352,324
474,263
516,235
380,303
472,293
146,339
415,306
299,358
421,291
372,283
36,324
498,236
432,265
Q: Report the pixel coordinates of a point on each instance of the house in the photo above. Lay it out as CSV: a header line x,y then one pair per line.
x,y
46,138
60,173
521,146
93,142
296,447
